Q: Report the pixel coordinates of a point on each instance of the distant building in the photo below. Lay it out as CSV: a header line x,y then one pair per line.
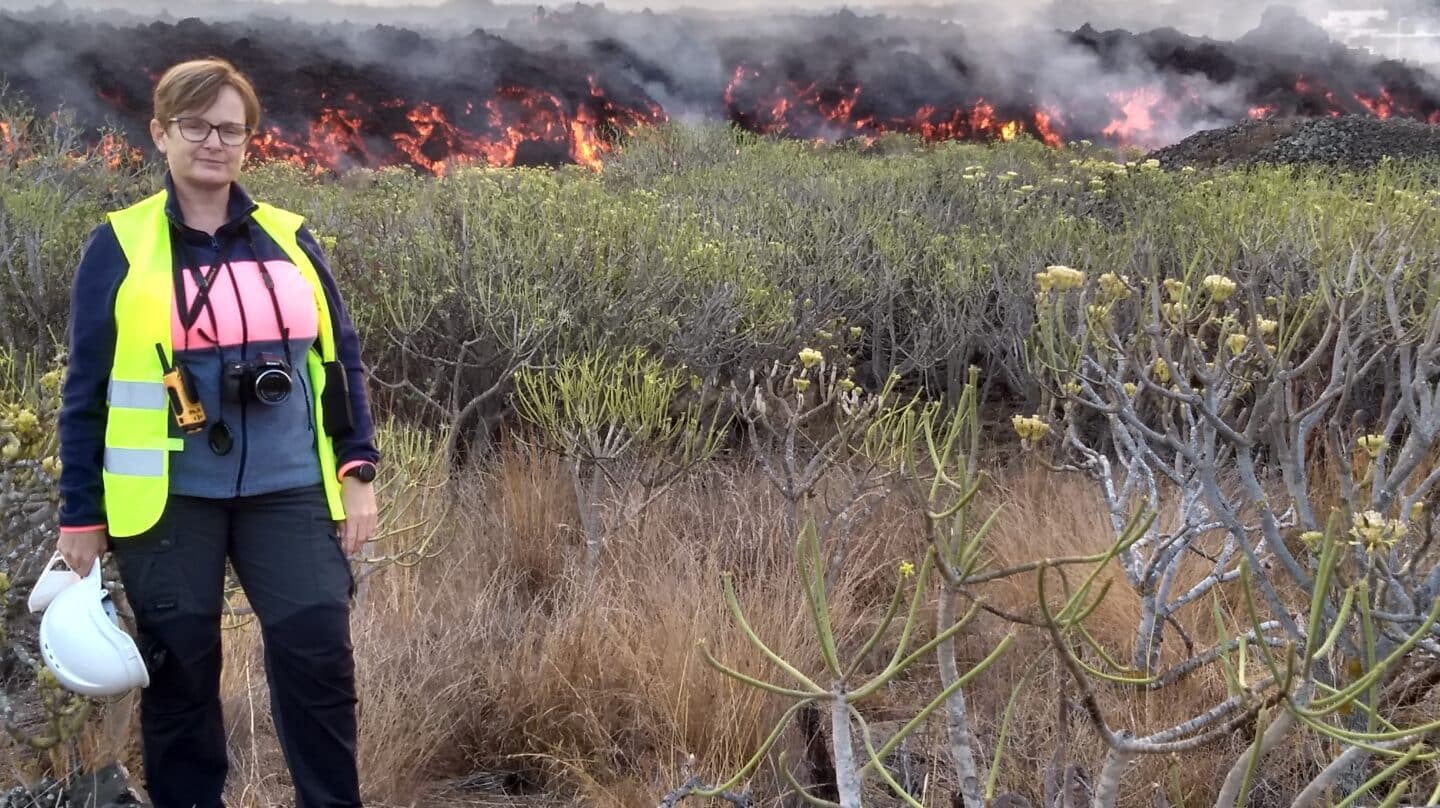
x,y
1393,35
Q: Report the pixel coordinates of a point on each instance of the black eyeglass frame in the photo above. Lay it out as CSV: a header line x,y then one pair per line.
x,y
218,128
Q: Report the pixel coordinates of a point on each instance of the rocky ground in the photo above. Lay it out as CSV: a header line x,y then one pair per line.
x,y
106,788
1352,141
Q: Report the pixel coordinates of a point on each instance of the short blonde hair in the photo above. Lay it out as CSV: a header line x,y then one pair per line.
x,y
195,84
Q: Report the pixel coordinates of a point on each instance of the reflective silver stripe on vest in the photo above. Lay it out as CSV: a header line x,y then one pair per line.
x,y
135,462
137,395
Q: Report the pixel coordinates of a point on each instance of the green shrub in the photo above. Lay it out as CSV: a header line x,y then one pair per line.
x,y
725,252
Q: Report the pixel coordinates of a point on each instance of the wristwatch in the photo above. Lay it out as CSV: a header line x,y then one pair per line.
x,y
364,472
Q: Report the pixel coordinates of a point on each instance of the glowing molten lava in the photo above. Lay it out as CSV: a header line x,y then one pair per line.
x,y
1381,106
1139,111
116,152
515,120
777,106
110,148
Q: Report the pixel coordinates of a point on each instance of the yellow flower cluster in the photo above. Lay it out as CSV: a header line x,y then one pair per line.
x,y
1160,370
1372,445
1175,289
1236,343
1374,532
1114,287
26,422
1219,287
1030,428
1060,278
19,427
809,357
1265,326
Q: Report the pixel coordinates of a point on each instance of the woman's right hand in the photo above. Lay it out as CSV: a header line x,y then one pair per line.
x,y
80,548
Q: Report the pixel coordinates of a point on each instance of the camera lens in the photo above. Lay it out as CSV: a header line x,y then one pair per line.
x,y
272,386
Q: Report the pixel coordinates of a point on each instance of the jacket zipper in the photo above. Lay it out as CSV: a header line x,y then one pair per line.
x,y
244,447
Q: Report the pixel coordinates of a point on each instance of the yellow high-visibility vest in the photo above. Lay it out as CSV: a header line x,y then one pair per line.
x,y
137,428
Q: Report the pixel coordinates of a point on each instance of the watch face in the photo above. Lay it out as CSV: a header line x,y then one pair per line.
x,y
365,472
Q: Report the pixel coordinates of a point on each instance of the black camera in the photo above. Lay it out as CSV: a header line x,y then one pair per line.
x,y
265,379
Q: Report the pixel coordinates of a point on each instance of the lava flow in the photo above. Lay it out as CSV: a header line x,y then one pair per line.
x,y
517,124
1146,116
568,87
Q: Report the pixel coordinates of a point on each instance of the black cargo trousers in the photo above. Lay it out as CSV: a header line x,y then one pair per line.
x,y
286,555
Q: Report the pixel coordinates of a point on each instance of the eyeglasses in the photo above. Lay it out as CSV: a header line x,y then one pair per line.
x,y
197,130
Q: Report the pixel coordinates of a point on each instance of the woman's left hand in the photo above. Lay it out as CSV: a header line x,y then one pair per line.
x,y
360,520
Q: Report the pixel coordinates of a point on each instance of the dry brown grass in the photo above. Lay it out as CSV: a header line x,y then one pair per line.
x,y
500,669
1051,516
505,662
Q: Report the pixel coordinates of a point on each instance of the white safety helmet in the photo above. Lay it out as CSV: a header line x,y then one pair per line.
x,y
51,582
83,645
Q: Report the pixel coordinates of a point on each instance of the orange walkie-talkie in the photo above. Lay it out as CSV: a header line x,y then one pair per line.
x,y
189,414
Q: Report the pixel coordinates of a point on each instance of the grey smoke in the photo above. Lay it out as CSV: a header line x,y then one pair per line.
x,y
1216,18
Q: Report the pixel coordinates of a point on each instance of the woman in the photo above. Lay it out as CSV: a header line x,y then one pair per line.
x,y
215,409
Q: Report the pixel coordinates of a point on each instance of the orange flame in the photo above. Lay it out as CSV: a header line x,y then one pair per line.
x,y
430,126
1046,129
1381,106
514,116
116,152
740,75
788,107
331,140
1138,111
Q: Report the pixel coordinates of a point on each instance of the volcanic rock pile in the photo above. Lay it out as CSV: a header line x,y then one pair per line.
x,y
1349,142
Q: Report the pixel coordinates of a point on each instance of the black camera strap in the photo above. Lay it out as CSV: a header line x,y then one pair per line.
x,y
204,282
274,298
219,436
280,321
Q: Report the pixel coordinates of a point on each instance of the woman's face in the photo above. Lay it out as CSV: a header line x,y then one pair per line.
x,y
211,163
